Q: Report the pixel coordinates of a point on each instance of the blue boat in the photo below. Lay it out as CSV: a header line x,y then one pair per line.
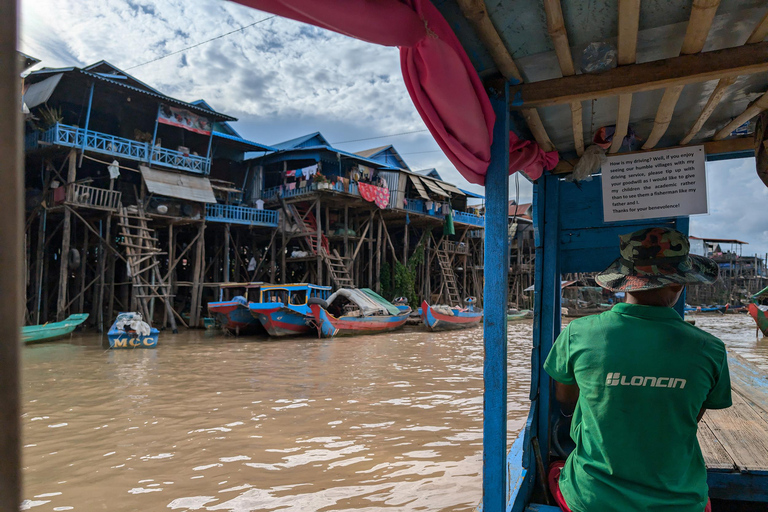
x,y
283,310
232,313
129,331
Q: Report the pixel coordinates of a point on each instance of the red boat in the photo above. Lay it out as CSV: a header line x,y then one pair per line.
x,y
760,319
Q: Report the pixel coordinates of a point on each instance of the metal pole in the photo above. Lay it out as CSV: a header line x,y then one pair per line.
x,y
11,232
87,122
495,320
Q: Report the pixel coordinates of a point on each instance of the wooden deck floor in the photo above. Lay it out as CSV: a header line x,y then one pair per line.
x,y
734,441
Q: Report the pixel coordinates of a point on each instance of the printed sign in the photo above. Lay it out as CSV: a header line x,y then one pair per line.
x,y
667,183
184,119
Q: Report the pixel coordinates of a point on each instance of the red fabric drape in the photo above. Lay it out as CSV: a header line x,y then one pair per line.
x,y
528,157
441,80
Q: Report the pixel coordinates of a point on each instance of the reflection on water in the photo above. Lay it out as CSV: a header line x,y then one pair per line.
x,y
216,423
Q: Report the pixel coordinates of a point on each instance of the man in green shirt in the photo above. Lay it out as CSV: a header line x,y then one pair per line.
x,y
638,378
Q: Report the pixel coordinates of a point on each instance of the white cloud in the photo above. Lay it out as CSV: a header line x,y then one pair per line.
x,y
737,201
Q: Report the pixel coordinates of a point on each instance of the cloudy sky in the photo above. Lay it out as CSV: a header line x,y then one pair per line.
x,y
282,79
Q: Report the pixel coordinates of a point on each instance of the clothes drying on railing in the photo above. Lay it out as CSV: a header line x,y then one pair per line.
x,y
373,194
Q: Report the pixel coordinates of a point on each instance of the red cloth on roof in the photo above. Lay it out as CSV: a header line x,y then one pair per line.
x,y
440,78
528,157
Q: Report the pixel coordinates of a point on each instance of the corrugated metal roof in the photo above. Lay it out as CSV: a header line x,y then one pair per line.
x,y
720,240
298,141
217,116
39,93
367,153
254,146
180,186
419,186
432,185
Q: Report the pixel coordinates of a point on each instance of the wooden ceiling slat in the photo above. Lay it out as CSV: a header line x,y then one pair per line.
x,y
629,20
648,76
559,35
477,15
751,111
712,102
702,16
760,32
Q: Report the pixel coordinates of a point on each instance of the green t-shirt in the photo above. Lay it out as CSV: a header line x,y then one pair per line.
x,y
644,374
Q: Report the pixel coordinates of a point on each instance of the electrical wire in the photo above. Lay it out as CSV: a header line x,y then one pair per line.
x,y
201,43
380,137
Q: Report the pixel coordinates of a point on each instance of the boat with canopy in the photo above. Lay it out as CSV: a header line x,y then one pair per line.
x,y
356,311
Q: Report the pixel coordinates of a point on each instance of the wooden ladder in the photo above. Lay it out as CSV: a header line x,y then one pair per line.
x,y
449,278
338,267
141,250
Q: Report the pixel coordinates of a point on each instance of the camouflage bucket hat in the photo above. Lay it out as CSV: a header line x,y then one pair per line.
x,y
654,258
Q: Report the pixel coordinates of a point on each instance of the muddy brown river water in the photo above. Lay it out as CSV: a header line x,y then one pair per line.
x,y
388,422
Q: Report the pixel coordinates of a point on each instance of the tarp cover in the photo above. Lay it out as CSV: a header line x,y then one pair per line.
x,y
180,186
369,303
38,93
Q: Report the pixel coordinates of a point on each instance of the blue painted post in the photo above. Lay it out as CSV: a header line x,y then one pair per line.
x,y
87,120
495,320
549,305
154,135
207,169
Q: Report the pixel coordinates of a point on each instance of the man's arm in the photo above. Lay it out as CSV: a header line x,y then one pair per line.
x,y
567,395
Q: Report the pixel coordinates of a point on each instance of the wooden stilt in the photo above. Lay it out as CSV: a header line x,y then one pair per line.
x,y
197,276
39,260
346,231
319,242
65,241
283,248
83,268
379,248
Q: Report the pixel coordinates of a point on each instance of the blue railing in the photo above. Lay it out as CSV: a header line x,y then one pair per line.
x,y
468,218
240,215
271,193
72,136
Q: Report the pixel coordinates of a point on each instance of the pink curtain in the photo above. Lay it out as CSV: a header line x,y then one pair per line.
x,y
442,83
528,157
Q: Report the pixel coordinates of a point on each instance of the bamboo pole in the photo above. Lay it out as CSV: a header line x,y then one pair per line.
x,y
83,268
760,32
755,108
559,35
702,15
11,233
477,15
622,122
712,102
663,115
39,259
379,248
629,19
66,235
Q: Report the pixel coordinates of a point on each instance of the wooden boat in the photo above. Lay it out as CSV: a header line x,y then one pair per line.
x,y
283,310
52,331
758,315
130,331
444,318
706,309
233,314
519,315
356,311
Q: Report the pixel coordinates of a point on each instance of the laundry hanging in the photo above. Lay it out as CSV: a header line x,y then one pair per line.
x,y
374,194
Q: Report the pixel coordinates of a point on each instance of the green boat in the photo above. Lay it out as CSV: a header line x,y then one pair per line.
x,y
513,316
53,331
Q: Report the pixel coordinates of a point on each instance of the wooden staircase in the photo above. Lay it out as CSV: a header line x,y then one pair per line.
x,y
141,254
449,278
338,267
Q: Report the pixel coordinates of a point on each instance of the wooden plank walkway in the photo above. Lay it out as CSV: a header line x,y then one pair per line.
x,y
736,439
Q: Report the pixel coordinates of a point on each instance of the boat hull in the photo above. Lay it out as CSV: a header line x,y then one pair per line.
x,y
51,332
759,317
436,321
235,318
123,340
329,326
280,320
